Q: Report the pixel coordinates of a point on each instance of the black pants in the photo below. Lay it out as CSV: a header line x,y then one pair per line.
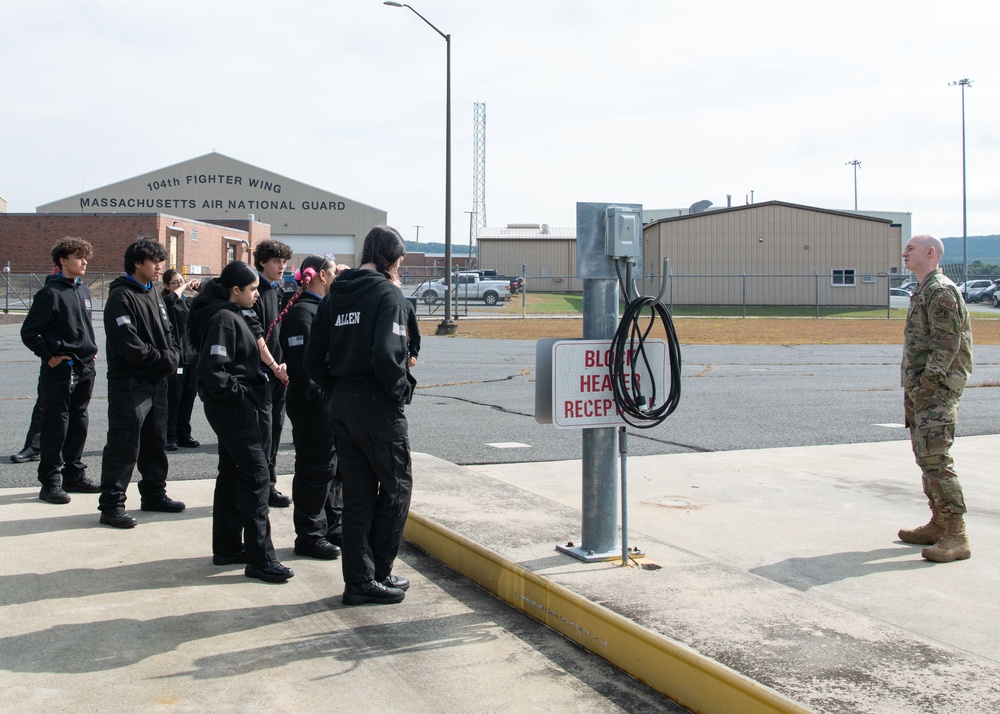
x,y
373,450
64,393
239,511
273,424
315,485
181,391
32,440
137,431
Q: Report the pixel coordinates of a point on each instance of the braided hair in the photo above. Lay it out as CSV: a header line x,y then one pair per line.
x,y
383,247
308,270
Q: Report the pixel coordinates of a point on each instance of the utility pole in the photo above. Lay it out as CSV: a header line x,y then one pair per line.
x,y
855,163
418,236
963,83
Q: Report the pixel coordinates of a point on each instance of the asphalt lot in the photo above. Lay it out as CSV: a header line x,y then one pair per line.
x,y
475,404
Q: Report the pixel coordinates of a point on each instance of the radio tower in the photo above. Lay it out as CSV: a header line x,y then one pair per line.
x,y
478,169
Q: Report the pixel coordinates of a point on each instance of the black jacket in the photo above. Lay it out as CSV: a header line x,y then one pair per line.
x,y
60,321
359,334
295,330
178,310
138,332
229,360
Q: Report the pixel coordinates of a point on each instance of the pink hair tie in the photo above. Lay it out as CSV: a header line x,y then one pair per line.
x,y
310,274
297,275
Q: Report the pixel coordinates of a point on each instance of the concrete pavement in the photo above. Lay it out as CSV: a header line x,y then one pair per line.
x,y
780,564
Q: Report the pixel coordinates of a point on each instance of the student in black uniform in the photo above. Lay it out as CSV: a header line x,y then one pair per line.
x,y
358,350
182,385
234,391
270,257
32,440
141,355
59,329
315,486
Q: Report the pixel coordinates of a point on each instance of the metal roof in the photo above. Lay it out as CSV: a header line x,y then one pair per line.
x,y
521,231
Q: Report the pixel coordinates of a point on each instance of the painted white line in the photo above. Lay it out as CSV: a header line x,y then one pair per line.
x,y
509,445
892,426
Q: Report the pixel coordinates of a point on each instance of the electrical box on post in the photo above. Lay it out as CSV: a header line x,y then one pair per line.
x,y
623,232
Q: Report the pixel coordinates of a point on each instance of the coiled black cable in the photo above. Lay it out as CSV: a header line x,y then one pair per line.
x,y
638,403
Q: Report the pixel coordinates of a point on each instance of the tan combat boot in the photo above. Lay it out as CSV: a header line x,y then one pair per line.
x,y
954,545
928,534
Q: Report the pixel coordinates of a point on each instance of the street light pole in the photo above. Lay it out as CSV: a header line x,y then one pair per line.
x,y
855,163
418,236
447,326
963,83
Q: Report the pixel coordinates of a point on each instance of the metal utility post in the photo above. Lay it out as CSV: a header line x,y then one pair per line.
x,y
963,83
855,163
418,236
600,320
447,326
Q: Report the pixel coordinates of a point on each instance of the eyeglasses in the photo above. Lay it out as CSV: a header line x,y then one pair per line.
x,y
175,283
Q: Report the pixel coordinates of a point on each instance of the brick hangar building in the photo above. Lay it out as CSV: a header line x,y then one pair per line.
x,y
207,212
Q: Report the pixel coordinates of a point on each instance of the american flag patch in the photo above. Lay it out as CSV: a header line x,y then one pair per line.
x,y
219,350
296,341
399,329
124,320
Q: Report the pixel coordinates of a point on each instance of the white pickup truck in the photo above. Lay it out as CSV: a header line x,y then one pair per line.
x,y
469,286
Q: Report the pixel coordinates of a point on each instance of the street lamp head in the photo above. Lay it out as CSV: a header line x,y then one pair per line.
x,y
392,4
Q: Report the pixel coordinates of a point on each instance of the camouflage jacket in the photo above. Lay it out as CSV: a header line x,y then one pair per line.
x,y
937,345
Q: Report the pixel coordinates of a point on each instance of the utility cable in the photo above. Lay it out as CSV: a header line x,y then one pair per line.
x,y
638,403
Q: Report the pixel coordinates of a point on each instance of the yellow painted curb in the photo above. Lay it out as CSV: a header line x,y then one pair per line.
x,y
690,679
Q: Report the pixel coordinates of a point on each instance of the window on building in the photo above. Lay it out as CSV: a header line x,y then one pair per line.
x,y
843,278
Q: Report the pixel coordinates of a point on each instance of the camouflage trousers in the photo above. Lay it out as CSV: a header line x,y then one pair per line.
x,y
931,417
931,447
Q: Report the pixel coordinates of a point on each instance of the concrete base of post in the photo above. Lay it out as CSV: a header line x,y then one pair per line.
x,y
446,327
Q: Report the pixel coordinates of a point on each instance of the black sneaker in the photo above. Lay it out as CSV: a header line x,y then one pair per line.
x,y
163,503
170,446
321,549
25,455
118,518
239,558
54,494
270,572
81,484
188,443
395,581
278,500
373,593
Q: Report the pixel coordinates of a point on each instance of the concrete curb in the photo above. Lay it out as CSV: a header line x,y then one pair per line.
x,y
674,670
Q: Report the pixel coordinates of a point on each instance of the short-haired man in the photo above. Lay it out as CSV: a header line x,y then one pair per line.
x,y
937,362
59,329
140,355
270,257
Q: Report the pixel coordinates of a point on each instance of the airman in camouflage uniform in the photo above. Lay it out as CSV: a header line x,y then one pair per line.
x,y
937,362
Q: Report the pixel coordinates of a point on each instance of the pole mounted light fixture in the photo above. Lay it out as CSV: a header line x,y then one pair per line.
x,y
963,83
856,164
447,326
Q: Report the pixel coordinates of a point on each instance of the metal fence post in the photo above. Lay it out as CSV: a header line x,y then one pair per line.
x,y
817,296
744,294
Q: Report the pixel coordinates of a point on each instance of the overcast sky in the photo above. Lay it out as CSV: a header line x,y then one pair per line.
x,y
658,103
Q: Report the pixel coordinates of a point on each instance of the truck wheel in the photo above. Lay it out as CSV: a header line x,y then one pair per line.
x,y
490,298
430,297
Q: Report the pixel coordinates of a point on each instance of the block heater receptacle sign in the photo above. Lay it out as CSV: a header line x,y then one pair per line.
x,y
582,395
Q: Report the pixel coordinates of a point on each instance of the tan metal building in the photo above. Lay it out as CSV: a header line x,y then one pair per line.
x,y
216,188
791,255
548,254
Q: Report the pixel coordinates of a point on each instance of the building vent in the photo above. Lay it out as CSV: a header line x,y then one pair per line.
x,y
699,207
545,229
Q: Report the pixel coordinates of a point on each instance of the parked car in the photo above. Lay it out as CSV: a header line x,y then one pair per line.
x,y
985,294
469,286
899,298
909,286
970,286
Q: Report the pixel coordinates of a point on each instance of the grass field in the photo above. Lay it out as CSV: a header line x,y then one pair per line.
x,y
711,331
